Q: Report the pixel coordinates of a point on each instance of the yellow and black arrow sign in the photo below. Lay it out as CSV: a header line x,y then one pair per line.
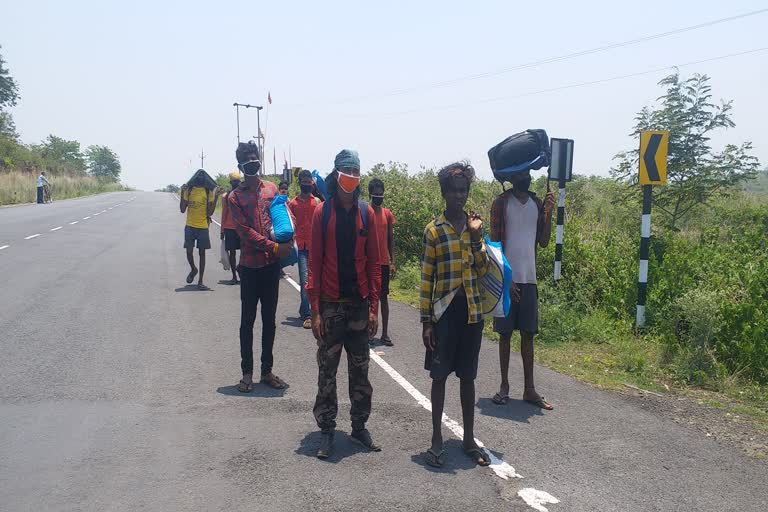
x,y
653,157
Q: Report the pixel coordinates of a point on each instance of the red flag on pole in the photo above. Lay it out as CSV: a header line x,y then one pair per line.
x,y
269,97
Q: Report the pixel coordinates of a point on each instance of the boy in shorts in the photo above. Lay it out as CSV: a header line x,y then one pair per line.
x,y
454,260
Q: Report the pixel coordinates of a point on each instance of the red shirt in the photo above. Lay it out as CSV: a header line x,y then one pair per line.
x,y
384,219
249,206
324,265
302,210
226,215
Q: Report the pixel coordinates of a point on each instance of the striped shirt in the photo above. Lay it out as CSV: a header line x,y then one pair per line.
x,y
450,261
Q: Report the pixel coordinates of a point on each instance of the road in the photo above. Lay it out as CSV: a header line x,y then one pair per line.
x,y
117,393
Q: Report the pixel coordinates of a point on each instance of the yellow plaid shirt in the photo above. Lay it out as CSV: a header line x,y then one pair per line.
x,y
450,260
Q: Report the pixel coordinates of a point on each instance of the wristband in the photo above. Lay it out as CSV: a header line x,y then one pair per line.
x,y
275,248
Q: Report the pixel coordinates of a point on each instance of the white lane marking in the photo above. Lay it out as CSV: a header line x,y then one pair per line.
x,y
86,218
58,228
4,247
73,222
537,499
30,237
95,214
103,211
501,468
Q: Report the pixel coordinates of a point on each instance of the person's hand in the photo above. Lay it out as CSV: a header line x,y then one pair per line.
x,y
428,336
373,324
549,202
392,270
284,249
475,227
218,192
184,188
318,329
222,234
514,292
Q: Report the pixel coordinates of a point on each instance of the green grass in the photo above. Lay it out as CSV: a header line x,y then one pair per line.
x,y
608,354
18,188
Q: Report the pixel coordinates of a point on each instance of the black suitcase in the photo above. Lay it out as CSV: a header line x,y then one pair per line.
x,y
528,150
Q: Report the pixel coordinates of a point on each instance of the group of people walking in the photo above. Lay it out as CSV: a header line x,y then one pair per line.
x,y
346,256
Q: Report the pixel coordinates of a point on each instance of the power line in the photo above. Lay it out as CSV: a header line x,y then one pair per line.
x,y
550,60
563,87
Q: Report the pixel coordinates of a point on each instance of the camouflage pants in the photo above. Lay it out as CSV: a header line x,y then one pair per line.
x,y
346,325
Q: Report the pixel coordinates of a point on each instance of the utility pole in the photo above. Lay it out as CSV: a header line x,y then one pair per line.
x,y
202,159
258,121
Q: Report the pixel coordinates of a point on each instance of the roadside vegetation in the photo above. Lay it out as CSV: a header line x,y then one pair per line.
x,y
72,171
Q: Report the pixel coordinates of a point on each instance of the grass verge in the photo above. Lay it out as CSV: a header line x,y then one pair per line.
x,y
19,188
605,353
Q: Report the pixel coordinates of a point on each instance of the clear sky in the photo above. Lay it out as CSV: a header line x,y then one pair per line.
x,y
155,81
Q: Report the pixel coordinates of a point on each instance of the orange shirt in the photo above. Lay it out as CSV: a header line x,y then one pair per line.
x,y
302,210
383,218
226,214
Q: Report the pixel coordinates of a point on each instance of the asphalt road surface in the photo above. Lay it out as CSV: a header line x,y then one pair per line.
x,y
117,393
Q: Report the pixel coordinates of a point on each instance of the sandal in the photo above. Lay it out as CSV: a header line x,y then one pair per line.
x,y
433,458
245,387
273,381
201,287
387,341
191,276
541,403
500,399
479,456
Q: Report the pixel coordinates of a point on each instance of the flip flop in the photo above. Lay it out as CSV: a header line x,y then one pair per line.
x,y
191,276
479,456
500,399
541,403
433,458
245,387
273,381
203,288
387,342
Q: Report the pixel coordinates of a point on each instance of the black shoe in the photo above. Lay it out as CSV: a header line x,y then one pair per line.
x,y
363,437
326,445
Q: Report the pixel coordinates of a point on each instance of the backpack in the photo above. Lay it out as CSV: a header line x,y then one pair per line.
x,y
528,150
361,205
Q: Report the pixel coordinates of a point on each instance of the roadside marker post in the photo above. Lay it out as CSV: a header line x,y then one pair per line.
x,y
654,145
560,170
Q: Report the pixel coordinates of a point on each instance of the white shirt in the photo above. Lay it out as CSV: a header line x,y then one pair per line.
x,y
520,221
41,181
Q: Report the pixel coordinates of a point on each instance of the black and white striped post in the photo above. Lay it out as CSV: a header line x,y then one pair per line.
x,y
645,242
560,170
653,171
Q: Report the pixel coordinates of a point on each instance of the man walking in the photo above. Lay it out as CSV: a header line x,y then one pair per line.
x,y
384,223
454,260
519,221
259,265
42,182
303,207
199,203
228,233
344,282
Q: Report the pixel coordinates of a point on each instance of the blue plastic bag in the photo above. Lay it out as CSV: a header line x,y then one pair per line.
x,y
320,182
495,284
282,228
282,223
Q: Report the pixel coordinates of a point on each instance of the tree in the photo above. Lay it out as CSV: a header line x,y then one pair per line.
x,y
9,91
63,152
695,173
8,127
103,163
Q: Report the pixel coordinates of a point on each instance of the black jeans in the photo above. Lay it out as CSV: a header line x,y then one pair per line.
x,y
258,285
39,195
